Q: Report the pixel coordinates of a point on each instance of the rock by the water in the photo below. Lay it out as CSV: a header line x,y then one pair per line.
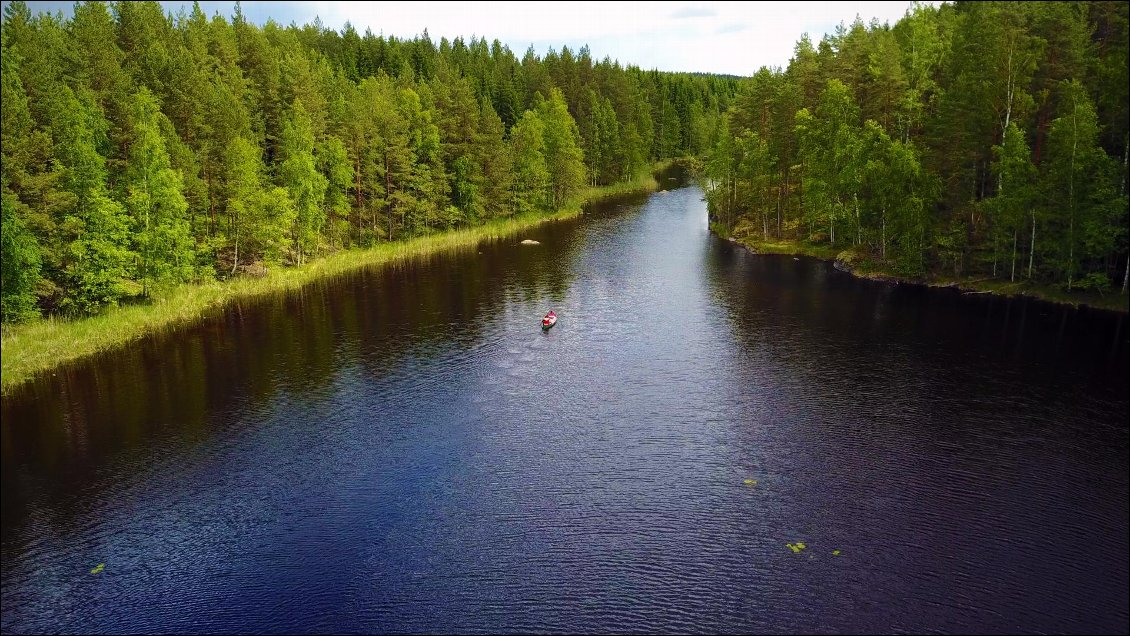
x,y
530,242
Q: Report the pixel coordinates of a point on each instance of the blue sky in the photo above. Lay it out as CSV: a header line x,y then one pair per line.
x,y
721,37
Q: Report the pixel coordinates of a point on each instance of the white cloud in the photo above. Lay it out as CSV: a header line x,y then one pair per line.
x,y
723,37
694,12
720,37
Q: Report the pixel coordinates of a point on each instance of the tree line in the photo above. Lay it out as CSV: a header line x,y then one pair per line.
x,y
142,150
973,138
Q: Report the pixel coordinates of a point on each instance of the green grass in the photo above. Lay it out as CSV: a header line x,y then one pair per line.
x,y
790,248
643,183
45,344
868,268
1112,300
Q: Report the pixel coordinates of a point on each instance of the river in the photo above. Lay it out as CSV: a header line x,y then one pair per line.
x,y
404,450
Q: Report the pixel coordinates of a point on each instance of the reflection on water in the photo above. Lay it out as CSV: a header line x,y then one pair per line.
x,y
403,449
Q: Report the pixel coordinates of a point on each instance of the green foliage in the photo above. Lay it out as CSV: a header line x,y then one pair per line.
x,y
563,157
972,138
244,195
1095,281
496,165
333,164
531,173
19,264
1007,212
720,229
607,159
94,228
141,150
272,216
1080,182
155,198
211,145
831,153
300,176
98,260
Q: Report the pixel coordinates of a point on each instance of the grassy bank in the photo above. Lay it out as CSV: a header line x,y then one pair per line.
x,y
643,184
40,346
868,268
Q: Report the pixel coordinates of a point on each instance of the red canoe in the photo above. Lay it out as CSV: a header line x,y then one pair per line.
x,y
549,320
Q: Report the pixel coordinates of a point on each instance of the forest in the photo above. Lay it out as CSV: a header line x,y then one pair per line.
x,y
970,139
143,150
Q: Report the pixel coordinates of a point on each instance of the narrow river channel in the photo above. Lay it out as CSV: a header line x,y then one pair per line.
x,y
405,450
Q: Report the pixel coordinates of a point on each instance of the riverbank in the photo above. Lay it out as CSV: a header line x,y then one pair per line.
x,y
48,343
848,261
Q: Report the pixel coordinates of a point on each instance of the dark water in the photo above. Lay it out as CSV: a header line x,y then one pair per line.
x,y
404,450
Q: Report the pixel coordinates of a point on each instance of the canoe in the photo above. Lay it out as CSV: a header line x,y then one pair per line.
x,y
548,322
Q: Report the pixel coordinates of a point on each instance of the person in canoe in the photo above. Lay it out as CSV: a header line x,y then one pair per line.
x,y
549,320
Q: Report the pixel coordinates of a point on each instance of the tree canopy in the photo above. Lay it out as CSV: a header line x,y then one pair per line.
x,y
978,138
143,149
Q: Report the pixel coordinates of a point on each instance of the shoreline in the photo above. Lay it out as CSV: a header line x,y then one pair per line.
x,y
30,349
1115,302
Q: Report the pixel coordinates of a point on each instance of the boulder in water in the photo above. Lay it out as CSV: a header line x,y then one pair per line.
x,y
530,242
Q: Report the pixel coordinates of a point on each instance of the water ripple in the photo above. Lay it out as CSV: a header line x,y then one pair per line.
x,y
406,451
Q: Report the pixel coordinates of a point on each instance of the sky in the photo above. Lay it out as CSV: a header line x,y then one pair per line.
x,y
734,38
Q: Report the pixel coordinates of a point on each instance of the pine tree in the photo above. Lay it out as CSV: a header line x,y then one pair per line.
x,y
496,163
531,175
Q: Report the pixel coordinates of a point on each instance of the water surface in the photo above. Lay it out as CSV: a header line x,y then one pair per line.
x,y
403,449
